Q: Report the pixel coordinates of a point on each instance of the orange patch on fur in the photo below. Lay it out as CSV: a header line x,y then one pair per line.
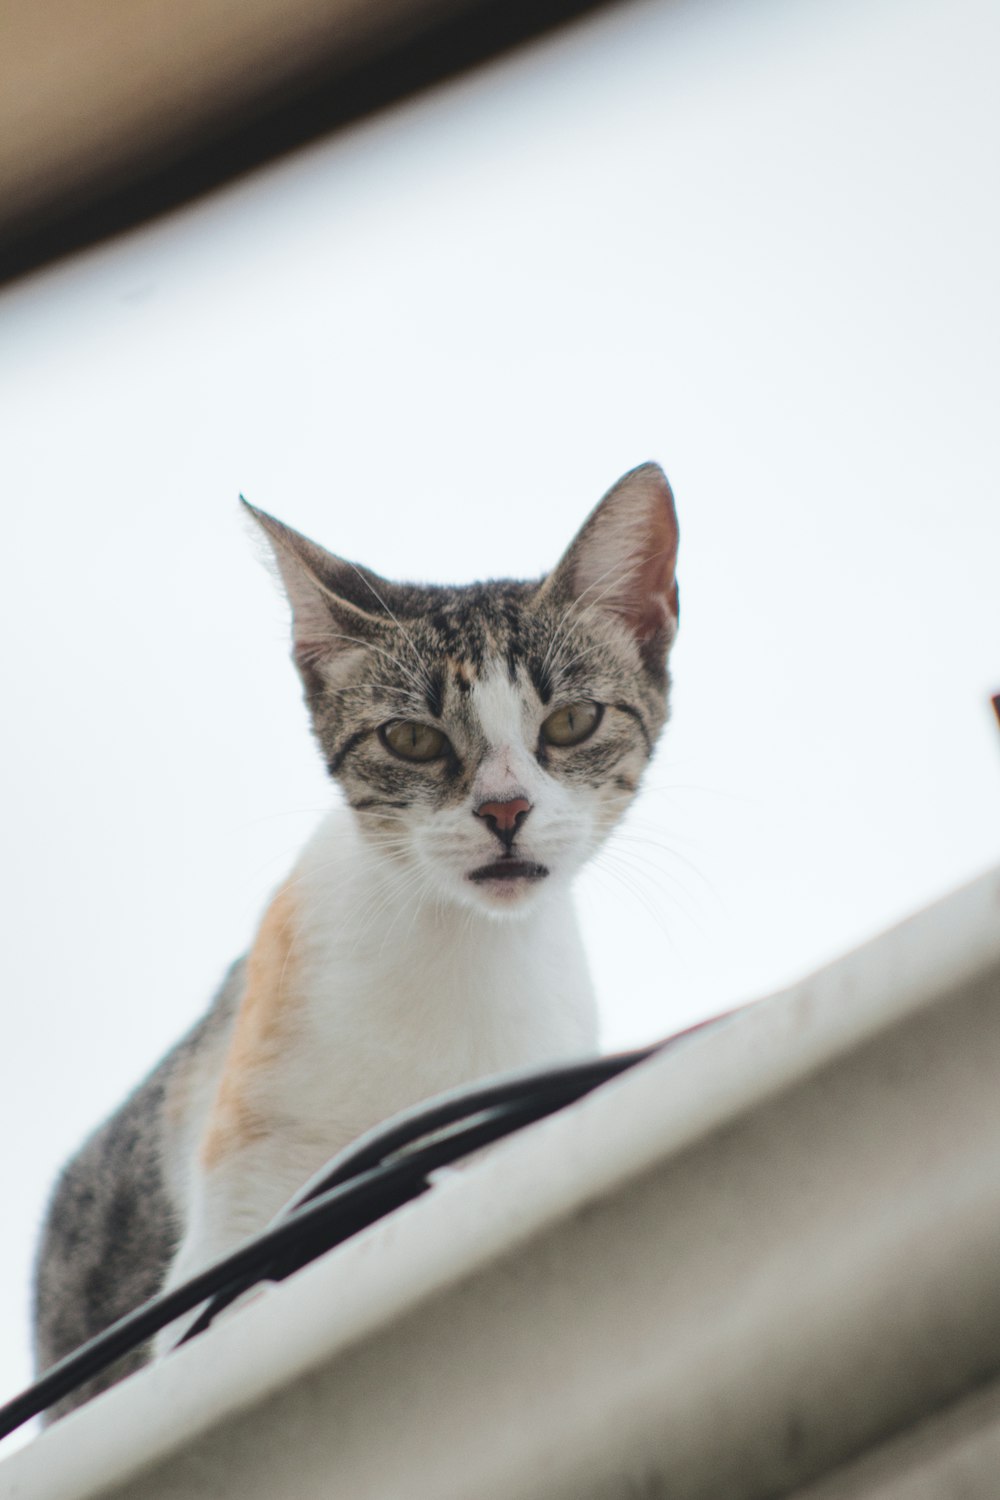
x,y
463,673
261,1023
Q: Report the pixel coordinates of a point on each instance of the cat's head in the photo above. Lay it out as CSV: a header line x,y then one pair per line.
x,y
488,737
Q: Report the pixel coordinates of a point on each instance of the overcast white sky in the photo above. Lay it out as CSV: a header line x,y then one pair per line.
x,y
757,242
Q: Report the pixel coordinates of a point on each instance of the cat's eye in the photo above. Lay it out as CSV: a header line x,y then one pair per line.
x,y
411,740
573,724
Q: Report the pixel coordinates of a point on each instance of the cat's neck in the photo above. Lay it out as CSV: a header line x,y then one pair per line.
x,y
380,953
362,996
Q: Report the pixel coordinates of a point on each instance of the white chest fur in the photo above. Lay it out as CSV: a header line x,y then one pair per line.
x,y
403,996
364,995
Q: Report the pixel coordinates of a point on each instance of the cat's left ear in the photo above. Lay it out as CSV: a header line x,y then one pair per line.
x,y
623,559
338,608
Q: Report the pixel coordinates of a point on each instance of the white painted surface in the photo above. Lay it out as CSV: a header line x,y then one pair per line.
x,y
951,1456
752,241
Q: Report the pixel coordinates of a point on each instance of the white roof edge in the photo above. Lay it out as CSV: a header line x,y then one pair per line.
x,y
514,1195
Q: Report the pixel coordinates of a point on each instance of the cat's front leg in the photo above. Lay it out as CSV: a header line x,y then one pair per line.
x,y
201,1246
227,1206
233,1198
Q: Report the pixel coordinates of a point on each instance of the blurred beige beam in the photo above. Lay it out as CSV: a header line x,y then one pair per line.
x,y
99,95
91,88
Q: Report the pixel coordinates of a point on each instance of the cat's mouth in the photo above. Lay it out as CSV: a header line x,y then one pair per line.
x,y
509,869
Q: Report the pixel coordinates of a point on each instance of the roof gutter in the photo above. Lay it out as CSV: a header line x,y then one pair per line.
x,y
733,1271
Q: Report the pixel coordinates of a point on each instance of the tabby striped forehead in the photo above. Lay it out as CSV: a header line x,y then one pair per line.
x,y
466,636
465,632
450,638
486,663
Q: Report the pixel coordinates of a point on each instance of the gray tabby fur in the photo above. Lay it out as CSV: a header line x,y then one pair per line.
x,y
110,1230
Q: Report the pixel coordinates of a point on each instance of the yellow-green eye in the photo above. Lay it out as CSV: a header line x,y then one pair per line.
x,y
412,741
573,724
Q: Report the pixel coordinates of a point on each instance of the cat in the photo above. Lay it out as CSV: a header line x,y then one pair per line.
x,y
486,740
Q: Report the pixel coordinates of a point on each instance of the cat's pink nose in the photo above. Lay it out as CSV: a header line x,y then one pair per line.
x,y
502,816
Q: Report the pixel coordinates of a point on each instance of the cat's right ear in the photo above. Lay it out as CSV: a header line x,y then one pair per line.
x,y
622,562
330,624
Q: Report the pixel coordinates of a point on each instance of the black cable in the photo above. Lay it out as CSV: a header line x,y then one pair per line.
x,y
407,1173
381,1171
502,1107
410,1125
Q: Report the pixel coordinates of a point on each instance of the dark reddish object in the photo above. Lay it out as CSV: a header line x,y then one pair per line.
x,y
505,819
503,816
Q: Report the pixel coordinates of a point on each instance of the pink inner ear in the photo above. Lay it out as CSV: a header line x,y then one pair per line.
x,y
308,653
623,561
647,600
651,601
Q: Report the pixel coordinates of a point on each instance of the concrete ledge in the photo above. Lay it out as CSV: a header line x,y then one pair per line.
x,y
727,1274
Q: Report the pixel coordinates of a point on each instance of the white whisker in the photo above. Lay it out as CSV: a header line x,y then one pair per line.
x,y
397,622
567,619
